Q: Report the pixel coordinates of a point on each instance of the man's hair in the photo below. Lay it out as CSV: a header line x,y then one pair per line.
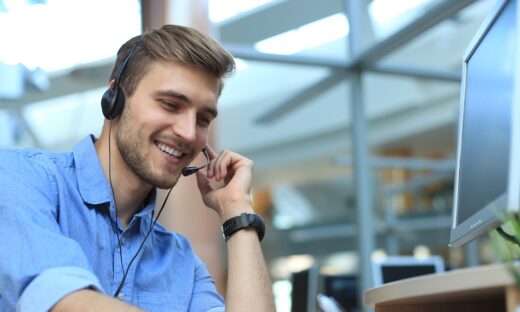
x,y
171,43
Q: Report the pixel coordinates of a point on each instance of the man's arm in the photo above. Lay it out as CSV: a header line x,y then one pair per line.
x,y
42,268
87,300
249,286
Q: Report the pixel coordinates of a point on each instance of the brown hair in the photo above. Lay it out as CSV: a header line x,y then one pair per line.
x,y
171,43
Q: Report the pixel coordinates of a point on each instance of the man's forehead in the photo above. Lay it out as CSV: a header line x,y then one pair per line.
x,y
183,78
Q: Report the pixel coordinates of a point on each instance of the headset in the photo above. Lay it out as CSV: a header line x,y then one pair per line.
x,y
112,104
191,170
113,100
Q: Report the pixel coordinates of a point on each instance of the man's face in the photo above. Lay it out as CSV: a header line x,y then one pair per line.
x,y
165,122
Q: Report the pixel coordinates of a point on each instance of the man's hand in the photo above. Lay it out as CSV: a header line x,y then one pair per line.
x,y
235,172
248,283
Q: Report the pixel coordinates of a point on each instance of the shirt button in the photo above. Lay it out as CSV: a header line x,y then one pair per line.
x,y
121,296
123,240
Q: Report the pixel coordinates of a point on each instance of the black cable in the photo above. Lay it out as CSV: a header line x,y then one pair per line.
x,y
508,237
142,244
114,223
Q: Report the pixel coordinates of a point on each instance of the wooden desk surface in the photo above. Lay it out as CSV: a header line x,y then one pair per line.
x,y
476,284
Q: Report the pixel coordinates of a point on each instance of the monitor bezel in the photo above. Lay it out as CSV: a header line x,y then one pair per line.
x,y
487,217
399,261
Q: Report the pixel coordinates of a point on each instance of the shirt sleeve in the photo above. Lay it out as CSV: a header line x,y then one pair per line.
x,y
53,284
38,264
205,296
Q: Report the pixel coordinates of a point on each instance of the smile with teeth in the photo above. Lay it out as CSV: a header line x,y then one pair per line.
x,y
168,150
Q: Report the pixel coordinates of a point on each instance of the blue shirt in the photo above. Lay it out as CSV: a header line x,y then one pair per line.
x,y
56,237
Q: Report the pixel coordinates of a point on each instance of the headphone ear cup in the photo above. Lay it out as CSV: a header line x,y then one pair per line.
x,y
112,103
119,103
107,103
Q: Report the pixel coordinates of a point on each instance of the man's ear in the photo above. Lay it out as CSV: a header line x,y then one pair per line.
x,y
111,83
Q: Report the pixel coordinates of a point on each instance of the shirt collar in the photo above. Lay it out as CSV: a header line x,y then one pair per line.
x,y
149,204
93,185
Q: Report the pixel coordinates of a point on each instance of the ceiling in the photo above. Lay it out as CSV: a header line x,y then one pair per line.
x,y
410,81
291,113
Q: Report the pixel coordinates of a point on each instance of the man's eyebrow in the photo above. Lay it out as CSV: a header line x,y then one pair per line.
x,y
182,97
173,94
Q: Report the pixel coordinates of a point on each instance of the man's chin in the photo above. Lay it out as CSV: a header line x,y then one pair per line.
x,y
165,184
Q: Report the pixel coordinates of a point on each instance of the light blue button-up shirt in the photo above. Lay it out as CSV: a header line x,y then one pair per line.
x,y
56,237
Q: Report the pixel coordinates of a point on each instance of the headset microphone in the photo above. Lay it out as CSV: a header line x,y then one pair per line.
x,y
191,170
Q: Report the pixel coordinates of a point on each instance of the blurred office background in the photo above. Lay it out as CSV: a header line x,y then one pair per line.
x,y
349,109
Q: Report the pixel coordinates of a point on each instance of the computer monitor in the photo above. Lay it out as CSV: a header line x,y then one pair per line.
x,y
391,269
344,289
304,290
488,157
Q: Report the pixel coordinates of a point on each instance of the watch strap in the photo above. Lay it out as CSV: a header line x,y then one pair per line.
x,y
243,221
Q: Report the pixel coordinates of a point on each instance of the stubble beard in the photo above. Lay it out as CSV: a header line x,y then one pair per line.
x,y
133,154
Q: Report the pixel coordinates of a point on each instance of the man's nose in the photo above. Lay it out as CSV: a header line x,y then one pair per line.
x,y
185,126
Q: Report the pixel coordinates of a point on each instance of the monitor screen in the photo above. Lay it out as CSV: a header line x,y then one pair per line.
x,y
485,126
396,268
300,290
398,272
304,289
343,288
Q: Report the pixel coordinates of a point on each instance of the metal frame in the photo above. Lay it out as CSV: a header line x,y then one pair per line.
x,y
78,80
366,60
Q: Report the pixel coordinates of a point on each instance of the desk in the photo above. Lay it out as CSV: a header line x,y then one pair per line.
x,y
483,288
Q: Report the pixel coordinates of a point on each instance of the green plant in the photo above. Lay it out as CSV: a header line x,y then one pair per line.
x,y
506,240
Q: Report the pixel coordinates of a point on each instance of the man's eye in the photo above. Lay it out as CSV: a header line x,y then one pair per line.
x,y
204,121
170,106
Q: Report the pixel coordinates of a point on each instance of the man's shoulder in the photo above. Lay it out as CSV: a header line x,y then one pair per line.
x,y
30,156
32,166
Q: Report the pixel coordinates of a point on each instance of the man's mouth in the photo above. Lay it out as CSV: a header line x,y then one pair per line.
x,y
169,150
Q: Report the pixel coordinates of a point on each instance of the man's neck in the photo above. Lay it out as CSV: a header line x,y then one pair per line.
x,y
129,191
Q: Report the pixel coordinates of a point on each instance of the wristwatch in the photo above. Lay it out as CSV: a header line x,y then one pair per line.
x,y
243,221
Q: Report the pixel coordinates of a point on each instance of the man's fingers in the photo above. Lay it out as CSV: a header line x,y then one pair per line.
x,y
223,163
211,166
220,164
211,153
203,183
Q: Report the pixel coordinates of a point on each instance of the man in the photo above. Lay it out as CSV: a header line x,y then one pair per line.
x,y
77,229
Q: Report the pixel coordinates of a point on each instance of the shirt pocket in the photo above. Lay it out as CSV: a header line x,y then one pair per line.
x,y
158,301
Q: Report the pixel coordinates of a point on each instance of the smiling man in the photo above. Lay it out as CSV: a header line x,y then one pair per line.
x,y
78,230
